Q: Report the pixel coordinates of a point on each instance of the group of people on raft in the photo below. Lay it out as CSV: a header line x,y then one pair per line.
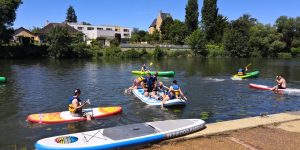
x,y
156,89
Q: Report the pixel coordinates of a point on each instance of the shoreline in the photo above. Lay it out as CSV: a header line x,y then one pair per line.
x,y
215,131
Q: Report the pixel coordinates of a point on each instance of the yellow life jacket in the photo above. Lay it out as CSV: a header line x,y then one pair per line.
x,y
71,108
240,73
176,89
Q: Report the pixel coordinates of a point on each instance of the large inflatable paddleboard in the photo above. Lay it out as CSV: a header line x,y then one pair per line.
x,y
121,136
160,73
281,91
139,93
66,116
246,76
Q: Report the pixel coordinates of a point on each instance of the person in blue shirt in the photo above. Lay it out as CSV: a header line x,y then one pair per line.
x,y
148,84
144,68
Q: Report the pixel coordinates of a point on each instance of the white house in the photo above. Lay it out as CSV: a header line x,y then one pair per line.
x,y
102,31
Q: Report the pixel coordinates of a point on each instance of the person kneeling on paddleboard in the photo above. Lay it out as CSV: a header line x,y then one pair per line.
x,y
281,83
75,106
177,90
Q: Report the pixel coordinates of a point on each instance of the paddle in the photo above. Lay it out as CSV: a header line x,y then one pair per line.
x,y
246,68
86,102
150,65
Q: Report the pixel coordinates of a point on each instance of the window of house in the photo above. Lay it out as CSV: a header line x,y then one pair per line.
x,y
80,28
126,30
90,28
109,29
126,34
99,28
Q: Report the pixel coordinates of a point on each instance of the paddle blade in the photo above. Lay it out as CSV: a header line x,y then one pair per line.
x,y
88,102
151,64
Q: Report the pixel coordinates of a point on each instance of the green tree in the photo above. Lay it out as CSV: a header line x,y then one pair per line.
x,y
286,26
209,17
221,24
71,15
138,36
158,52
236,37
197,42
7,17
178,32
165,28
156,36
59,41
261,38
191,15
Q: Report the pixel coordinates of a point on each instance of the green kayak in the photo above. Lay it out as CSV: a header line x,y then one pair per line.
x,y
2,79
247,75
160,73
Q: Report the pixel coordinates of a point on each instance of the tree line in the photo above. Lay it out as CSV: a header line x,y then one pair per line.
x,y
215,35
212,36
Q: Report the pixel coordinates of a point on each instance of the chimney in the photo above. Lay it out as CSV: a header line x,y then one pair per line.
x,y
47,22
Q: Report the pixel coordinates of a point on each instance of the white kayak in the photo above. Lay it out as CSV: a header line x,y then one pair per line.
x,y
121,136
139,93
288,91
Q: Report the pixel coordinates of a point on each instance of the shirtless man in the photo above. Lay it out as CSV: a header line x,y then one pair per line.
x,y
281,83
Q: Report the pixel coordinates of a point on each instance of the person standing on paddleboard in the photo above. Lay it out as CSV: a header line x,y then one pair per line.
x,y
281,83
75,106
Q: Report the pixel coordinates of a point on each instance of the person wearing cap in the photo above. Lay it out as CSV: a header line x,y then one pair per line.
x,y
148,84
175,87
281,83
75,106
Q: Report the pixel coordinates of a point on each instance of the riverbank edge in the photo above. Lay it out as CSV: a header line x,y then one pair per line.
x,y
224,127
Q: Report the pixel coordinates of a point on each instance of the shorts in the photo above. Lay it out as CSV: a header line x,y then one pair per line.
x,y
79,114
280,87
149,90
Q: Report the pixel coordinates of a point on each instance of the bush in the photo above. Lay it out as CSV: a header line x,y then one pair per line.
x,y
295,51
132,53
284,55
112,51
216,51
176,53
158,52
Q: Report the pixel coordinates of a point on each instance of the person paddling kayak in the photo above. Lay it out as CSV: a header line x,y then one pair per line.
x,y
75,106
144,68
281,83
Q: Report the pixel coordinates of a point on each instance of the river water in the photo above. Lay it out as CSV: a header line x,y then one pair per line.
x,y
36,86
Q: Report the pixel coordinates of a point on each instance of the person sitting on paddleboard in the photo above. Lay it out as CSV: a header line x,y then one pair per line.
x,y
170,95
136,83
175,87
75,106
148,84
281,83
159,88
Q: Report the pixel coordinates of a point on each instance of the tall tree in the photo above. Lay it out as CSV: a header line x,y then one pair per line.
x,y
7,17
209,17
165,28
71,15
236,37
59,41
286,26
197,42
191,15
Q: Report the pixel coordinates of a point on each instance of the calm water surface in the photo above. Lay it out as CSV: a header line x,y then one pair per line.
x,y
36,86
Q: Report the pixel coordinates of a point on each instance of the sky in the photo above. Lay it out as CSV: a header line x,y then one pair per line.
x,y
140,13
